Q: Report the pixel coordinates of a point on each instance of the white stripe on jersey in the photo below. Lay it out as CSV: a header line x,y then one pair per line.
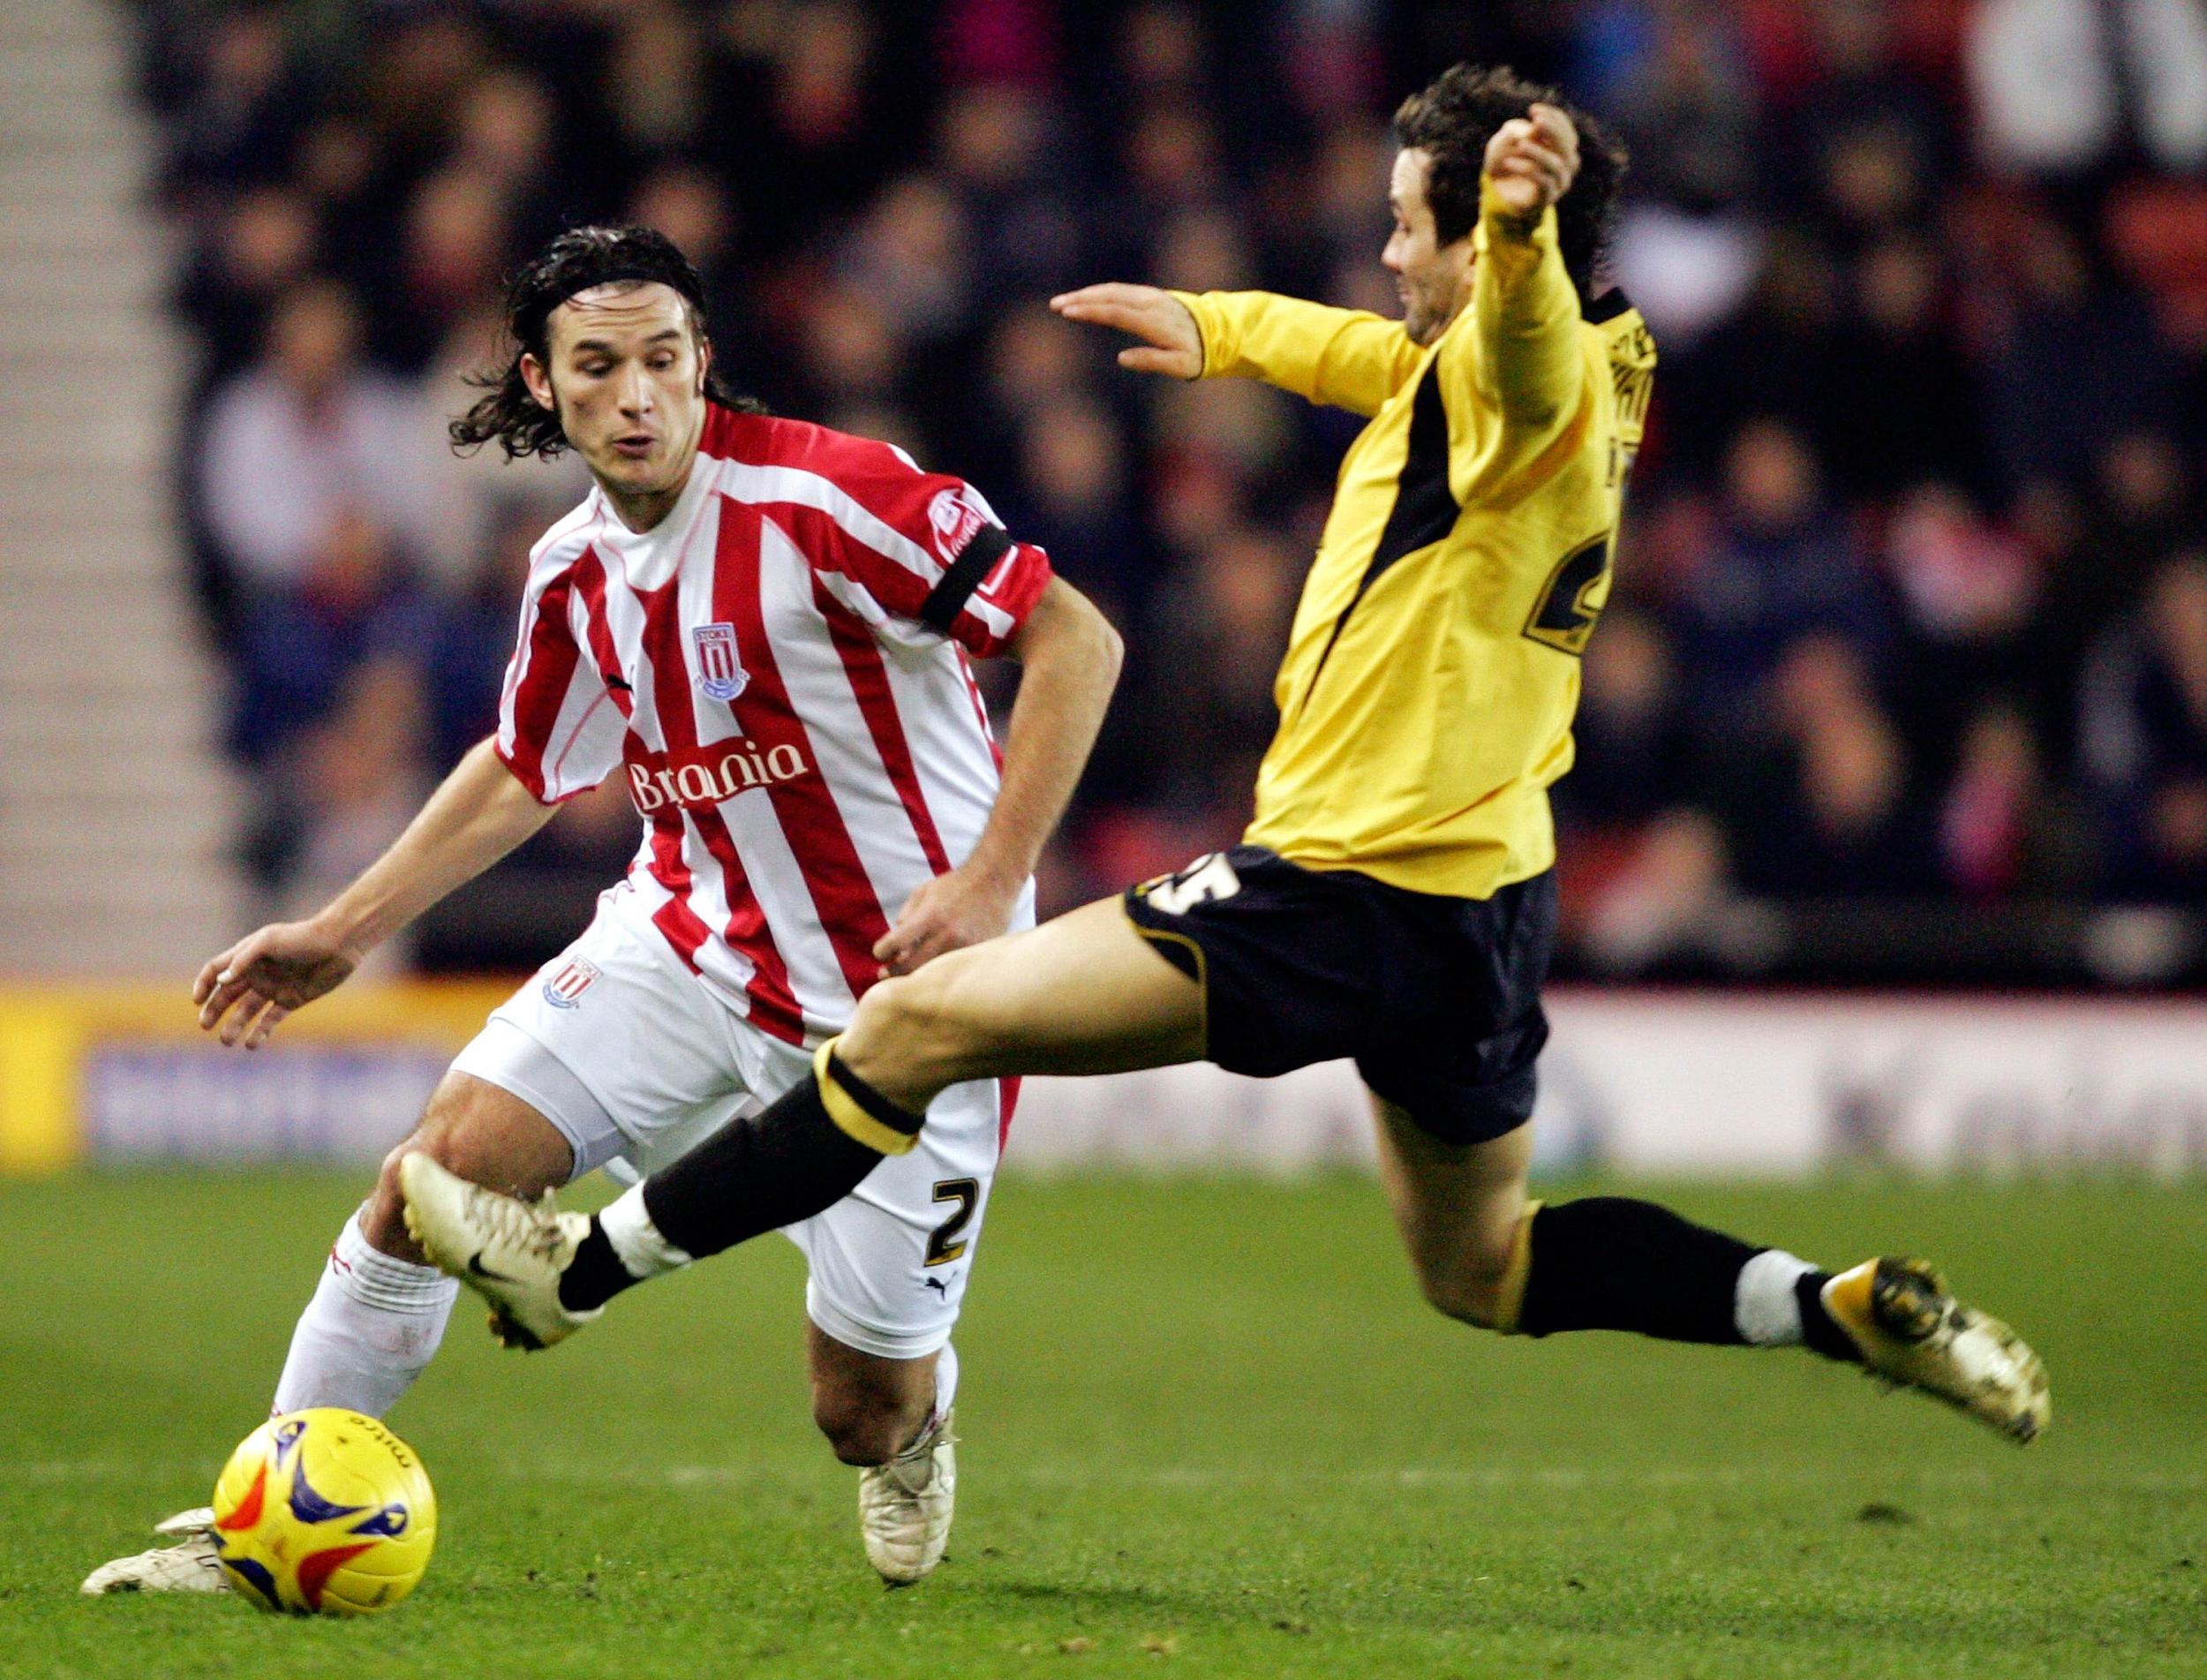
x,y
842,745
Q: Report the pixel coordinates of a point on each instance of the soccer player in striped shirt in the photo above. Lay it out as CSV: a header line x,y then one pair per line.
x,y
1395,900
766,628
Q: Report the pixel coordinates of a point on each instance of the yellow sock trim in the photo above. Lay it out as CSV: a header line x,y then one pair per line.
x,y
1509,1301
851,1119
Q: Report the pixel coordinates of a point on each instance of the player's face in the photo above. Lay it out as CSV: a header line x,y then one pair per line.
x,y
1433,280
626,374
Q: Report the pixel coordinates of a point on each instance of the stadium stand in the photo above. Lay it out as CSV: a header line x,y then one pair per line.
x,y
117,808
1912,607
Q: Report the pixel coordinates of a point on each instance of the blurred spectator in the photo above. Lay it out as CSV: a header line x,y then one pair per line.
x,y
1966,589
360,783
2146,736
1074,502
1783,567
2065,85
1907,598
354,603
258,249
1213,645
1819,806
909,259
2071,356
1900,408
1669,908
2006,828
237,122
1634,748
302,436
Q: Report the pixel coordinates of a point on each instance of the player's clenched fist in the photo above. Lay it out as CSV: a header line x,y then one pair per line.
x,y
1533,159
246,990
1171,342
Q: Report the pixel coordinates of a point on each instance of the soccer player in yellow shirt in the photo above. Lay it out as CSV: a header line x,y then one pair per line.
x,y
1394,901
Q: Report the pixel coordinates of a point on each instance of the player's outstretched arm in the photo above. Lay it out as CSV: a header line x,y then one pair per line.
x,y
1345,359
1069,655
478,814
1525,309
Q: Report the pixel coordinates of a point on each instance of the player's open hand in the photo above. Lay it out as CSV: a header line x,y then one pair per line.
x,y
960,908
1171,342
1532,161
244,993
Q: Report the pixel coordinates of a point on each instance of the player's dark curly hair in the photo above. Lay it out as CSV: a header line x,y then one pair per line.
x,y
1452,119
575,261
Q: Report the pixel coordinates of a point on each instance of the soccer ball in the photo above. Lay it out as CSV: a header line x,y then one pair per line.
x,y
324,1511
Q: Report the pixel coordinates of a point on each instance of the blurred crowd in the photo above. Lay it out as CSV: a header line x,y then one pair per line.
x,y
1911,603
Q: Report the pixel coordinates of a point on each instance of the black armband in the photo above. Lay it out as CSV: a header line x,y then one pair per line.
x,y
956,586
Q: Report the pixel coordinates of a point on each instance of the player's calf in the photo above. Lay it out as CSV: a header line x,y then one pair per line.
x,y
872,1409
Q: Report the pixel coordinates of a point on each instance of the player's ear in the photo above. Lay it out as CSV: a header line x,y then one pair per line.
x,y
538,378
705,361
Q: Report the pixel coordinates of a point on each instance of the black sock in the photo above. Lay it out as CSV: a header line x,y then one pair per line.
x,y
1610,1264
1819,1330
595,1276
800,1157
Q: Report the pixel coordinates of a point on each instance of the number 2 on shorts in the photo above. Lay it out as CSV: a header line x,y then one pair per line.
x,y
947,1241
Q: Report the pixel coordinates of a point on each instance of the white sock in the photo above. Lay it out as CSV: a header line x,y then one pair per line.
x,y
1764,1306
946,1380
372,1326
636,1239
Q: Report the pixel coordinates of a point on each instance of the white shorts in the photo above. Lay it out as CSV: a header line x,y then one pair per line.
x,y
622,1049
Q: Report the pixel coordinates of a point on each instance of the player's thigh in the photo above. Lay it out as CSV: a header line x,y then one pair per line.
x,y
617,1044
1084,993
1457,1205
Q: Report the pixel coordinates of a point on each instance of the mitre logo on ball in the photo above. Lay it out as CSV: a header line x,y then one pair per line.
x,y
720,673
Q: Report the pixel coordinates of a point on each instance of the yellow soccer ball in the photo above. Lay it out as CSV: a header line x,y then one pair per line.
x,y
324,1512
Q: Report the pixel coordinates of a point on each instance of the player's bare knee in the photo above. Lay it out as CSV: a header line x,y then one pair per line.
x,y
939,1035
470,1128
1468,1285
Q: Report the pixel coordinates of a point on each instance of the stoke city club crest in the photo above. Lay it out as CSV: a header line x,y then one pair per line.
x,y
720,674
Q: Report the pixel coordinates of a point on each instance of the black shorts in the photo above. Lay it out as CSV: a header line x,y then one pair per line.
x,y
1437,999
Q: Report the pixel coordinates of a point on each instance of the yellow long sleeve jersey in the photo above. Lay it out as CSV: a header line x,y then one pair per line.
x,y
1427,696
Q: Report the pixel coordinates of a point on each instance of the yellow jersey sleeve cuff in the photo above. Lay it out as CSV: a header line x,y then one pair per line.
x,y
1206,327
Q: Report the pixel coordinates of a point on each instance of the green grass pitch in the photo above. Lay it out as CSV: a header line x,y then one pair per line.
x,y
1210,1430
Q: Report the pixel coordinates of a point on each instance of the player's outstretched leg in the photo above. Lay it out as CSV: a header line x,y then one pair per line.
x,y
1081,994
546,1274
1486,1254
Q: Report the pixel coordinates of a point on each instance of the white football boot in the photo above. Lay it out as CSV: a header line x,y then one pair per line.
x,y
190,1567
904,1506
1914,1333
509,1252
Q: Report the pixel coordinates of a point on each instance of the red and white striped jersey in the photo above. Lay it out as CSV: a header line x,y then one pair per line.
x,y
780,665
